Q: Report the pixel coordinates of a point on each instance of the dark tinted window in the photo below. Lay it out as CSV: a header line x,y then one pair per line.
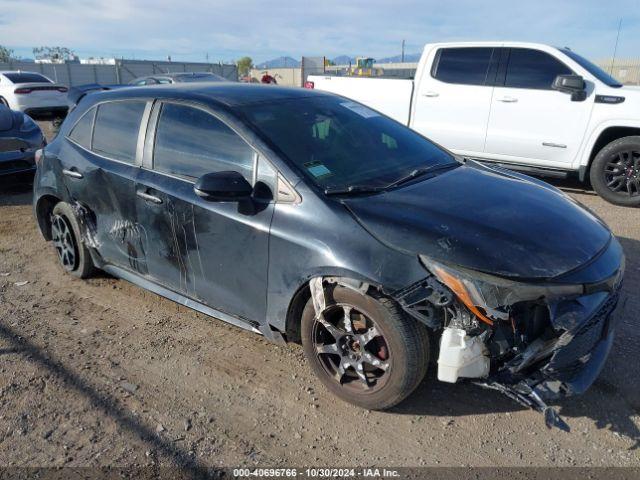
x,y
338,143
533,69
116,132
81,133
191,142
467,66
26,77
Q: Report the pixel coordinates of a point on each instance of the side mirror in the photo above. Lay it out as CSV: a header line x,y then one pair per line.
x,y
223,187
572,84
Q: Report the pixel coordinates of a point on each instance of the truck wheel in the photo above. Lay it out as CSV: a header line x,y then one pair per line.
x,y
615,172
4,102
364,349
73,255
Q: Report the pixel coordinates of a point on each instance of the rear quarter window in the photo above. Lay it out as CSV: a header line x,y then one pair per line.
x,y
117,125
81,132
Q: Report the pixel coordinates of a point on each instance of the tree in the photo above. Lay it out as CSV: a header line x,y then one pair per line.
x,y
54,54
6,54
244,65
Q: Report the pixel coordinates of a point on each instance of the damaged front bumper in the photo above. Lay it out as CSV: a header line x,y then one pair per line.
x,y
544,341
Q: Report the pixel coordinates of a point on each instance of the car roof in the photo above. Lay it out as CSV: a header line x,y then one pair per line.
x,y
222,93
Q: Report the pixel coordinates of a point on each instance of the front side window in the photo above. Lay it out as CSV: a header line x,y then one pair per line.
x,y
527,68
116,129
464,66
81,133
338,143
190,142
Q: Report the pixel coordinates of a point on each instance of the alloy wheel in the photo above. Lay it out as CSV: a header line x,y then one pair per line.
x,y
64,242
622,173
351,348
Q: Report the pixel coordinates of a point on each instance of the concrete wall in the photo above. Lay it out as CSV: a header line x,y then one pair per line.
x,y
288,77
122,72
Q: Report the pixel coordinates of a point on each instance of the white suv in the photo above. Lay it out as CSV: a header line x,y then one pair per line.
x,y
34,94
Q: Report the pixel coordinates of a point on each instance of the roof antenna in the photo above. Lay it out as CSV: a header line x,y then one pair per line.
x,y
615,48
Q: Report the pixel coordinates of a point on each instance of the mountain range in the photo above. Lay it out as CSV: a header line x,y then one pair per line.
x,y
283,62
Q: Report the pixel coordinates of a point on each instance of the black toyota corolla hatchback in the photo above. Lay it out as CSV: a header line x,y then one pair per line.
x,y
304,216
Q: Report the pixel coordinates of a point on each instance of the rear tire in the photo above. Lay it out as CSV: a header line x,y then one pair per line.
x,y
73,255
615,172
371,371
4,102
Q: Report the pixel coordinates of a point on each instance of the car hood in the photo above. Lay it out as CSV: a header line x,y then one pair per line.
x,y
485,219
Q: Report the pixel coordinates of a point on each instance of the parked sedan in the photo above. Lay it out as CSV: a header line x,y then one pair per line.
x,y
304,216
34,94
20,137
168,78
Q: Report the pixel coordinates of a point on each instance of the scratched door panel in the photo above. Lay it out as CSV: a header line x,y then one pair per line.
x,y
106,190
214,252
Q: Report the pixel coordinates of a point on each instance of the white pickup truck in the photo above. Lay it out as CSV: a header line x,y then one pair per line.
x,y
531,107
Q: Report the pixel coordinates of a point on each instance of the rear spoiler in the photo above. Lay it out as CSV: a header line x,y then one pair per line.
x,y
78,92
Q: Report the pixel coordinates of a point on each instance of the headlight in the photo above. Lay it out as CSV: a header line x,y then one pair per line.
x,y
488,296
28,124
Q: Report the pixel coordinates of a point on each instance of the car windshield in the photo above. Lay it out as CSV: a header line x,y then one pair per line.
x,y
592,68
340,144
26,77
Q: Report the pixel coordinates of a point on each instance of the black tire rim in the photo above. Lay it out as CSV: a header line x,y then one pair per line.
x,y
622,173
64,242
351,348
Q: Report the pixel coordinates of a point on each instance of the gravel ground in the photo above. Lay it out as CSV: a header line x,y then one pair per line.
x,y
100,372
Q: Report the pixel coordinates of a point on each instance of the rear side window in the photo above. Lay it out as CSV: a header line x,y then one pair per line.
x,y
116,131
27,77
191,142
81,133
465,66
534,69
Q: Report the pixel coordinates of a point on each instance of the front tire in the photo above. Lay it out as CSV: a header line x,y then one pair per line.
x,y
73,255
615,172
364,349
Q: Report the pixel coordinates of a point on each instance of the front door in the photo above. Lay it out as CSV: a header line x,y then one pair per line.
x,y
213,252
530,122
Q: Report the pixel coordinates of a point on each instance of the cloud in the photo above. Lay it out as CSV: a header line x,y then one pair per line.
x,y
227,29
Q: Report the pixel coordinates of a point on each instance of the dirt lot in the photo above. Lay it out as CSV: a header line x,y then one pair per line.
x,y
100,372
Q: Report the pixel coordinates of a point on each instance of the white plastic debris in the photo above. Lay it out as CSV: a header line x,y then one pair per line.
x,y
21,284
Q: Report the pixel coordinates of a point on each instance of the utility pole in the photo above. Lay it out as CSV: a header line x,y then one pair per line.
x,y
402,56
615,48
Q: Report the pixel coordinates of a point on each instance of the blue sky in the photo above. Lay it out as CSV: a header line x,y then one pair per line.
x,y
228,29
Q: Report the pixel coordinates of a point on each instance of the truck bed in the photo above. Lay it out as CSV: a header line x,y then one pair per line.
x,y
390,96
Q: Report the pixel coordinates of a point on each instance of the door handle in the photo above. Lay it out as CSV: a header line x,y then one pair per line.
x,y
149,198
507,99
72,172
430,94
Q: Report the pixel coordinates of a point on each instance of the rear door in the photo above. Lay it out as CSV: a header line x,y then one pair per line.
x,y
530,121
214,252
100,163
452,100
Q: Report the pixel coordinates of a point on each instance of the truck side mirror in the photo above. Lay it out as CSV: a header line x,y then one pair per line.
x,y
572,84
